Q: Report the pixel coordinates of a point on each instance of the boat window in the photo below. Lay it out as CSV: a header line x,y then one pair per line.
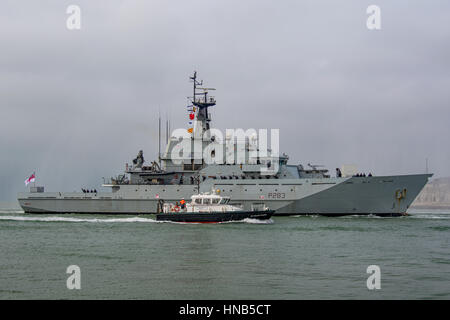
x,y
206,201
198,201
215,201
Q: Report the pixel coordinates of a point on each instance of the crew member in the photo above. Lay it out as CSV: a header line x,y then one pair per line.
x,y
183,204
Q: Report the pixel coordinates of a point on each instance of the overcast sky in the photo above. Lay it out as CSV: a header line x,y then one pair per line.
x,y
77,105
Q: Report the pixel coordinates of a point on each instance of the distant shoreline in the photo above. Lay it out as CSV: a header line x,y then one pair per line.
x,y
430,206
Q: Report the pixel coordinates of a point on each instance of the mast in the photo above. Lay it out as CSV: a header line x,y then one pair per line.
x,y
167,129
202,102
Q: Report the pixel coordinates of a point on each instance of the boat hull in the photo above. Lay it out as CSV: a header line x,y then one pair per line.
x,y
214,217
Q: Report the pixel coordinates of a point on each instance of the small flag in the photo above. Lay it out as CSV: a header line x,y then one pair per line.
x,y
31,178
190,123
190,130
191,116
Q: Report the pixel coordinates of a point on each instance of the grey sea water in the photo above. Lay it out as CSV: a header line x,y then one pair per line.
x,y
126,257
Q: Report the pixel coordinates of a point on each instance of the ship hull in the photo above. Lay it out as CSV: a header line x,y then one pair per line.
x,y
381,196
384,196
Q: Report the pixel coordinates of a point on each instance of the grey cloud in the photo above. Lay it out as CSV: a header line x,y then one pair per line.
x,y
76,105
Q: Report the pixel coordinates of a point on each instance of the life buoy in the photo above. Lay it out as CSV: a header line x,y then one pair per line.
x,y
177,209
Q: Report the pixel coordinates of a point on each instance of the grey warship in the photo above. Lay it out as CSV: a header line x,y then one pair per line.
x,y
291,190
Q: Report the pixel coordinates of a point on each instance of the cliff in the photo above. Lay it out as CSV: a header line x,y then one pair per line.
x,y
436,194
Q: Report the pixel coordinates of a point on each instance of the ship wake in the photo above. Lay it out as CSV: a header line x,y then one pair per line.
x,y
68,219
111,220
257,221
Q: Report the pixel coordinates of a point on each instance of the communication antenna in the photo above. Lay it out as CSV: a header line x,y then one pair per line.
x,y
167,129
159,138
